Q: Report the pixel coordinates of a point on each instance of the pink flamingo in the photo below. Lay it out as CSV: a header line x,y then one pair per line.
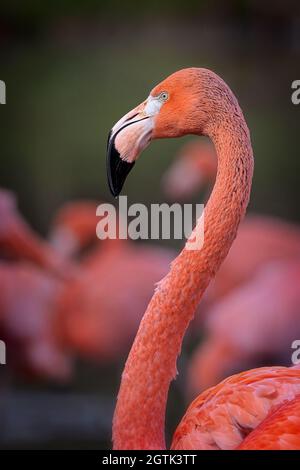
x,y
31,273
18,240
196,101
28,301
100,319
254,324
260,240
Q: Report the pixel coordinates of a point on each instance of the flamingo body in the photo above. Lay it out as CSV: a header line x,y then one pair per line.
x,y
279,431
224,416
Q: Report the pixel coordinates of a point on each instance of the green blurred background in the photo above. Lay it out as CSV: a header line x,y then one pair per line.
x,y
72,68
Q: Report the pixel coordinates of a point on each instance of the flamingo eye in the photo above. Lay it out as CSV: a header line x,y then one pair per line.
x,y
164,96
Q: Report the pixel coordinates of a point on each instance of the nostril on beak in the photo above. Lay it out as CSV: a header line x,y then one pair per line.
x,y
131,117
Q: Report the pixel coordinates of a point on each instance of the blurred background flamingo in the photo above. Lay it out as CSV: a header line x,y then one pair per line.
x,y
19,241
31,274
260,238
96,311
47,318
27,304
253,325
101,308
252,305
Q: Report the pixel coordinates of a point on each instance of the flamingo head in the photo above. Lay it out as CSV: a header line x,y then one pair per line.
x,y
178,106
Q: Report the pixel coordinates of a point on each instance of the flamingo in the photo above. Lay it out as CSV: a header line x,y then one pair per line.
x,y
244,283
28,301
195,101
254,324
31,275
99,320
19,241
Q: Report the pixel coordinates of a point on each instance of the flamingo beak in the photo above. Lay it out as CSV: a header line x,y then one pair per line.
x,y
127,139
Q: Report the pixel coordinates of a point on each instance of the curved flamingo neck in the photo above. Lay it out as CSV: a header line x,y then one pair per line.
x,y
139,418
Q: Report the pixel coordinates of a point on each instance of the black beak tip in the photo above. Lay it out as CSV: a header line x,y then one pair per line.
x,y
117,169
